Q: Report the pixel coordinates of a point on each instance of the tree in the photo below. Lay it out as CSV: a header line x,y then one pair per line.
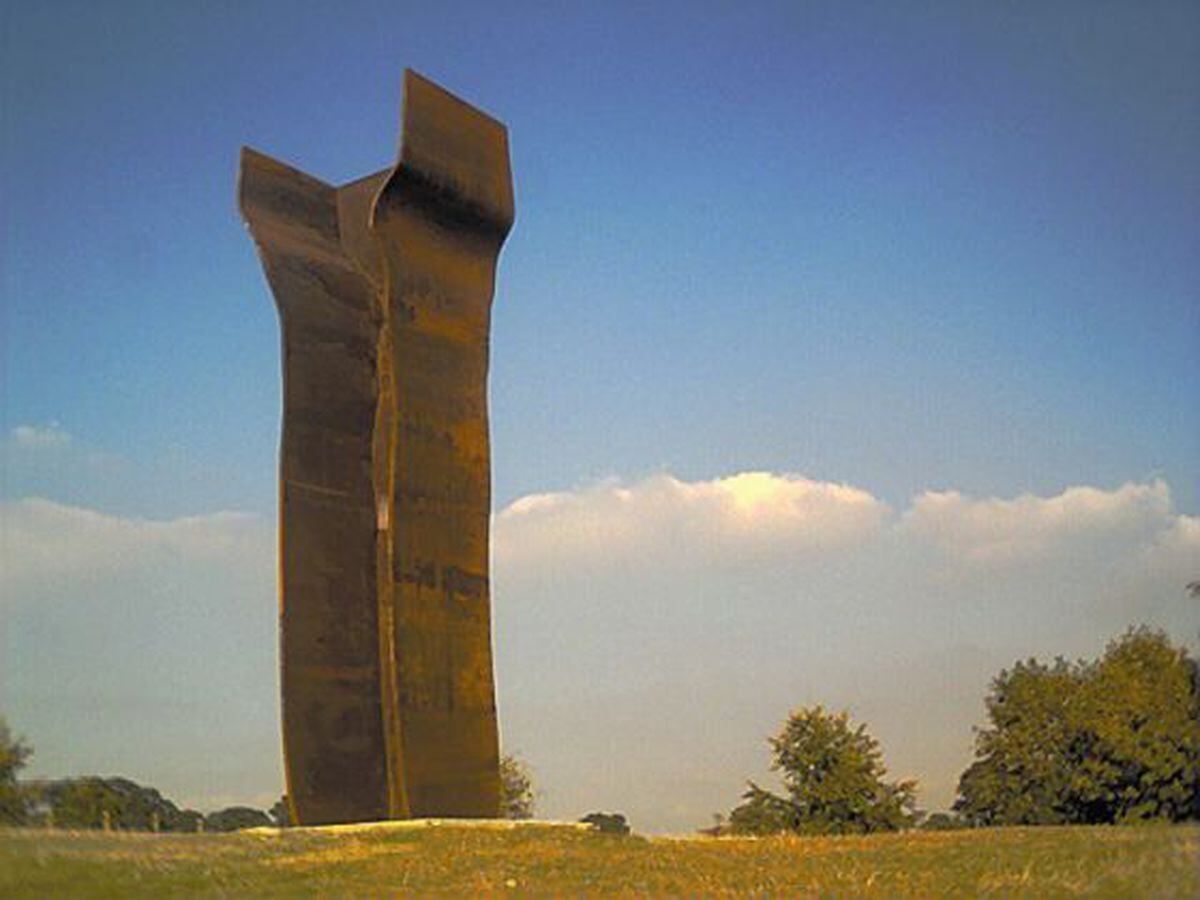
x,y
1111,741
833,775
235,818
1024,766
607,823
93,802
14,754
281,813
516,788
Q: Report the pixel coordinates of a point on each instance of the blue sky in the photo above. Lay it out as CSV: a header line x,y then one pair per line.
x,y
904,247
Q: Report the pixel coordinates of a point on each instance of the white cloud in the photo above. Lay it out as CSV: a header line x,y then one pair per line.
x,y
672,520
994,531
48,546
40,437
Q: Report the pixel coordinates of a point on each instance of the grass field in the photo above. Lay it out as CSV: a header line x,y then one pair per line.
x,y
1159,861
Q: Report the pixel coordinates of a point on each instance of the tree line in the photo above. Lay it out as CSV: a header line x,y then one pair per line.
x,y
1110,741
1114,740
115,803
119,803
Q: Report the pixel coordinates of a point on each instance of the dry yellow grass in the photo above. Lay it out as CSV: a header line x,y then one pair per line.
x,y
1159,861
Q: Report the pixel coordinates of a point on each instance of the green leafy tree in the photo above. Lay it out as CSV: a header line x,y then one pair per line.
x,y
1025,760
833,775
608,823
281,813
116,803
14,754
516,788
236,817
190,820
1111,741
762,812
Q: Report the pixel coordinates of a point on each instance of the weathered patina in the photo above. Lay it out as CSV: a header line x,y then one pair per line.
x,y
384,289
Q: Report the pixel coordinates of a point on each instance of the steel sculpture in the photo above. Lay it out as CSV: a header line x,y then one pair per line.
x,y
384,289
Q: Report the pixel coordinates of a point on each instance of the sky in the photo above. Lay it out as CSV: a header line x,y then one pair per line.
x,y
841,353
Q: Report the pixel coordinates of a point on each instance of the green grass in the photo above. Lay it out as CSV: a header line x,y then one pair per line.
x,y
1157,861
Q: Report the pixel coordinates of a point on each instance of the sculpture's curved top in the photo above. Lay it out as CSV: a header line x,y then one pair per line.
x,y
454,159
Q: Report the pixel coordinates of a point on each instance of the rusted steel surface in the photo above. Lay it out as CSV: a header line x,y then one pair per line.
x,y
384,289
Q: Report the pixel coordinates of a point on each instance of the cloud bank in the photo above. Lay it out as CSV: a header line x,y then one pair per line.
x,y
142,647
753,513
649,634
50,547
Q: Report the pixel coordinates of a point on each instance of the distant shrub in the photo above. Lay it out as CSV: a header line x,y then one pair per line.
x,y
281,813
607,823
235,818
14,753
516,788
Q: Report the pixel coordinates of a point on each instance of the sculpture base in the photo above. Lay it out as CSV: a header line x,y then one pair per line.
x,y
416,824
